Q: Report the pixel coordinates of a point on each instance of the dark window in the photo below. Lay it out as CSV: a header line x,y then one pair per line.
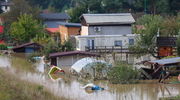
x,y
118,43
131,41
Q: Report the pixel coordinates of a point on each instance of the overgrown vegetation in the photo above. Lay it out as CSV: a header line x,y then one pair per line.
x,y
3,47
25,29
154,25
123,73
12,88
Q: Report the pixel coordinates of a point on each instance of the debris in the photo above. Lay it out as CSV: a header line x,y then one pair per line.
x,y
94,87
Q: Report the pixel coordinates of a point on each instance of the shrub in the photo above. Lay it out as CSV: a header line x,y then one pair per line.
x,y
3,47
123,73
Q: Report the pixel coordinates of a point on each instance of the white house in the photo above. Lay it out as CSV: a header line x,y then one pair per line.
x,y
110,30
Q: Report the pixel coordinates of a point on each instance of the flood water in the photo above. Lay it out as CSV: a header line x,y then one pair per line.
x,y
73,89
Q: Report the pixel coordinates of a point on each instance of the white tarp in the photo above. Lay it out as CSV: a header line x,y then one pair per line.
x,y
80,64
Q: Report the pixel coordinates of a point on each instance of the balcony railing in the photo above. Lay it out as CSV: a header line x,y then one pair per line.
x,y
107,49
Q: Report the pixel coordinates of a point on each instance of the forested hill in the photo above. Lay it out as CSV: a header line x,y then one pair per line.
x,y
77,7
153,6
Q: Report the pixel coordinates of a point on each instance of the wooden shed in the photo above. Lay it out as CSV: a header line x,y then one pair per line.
x,y
27,48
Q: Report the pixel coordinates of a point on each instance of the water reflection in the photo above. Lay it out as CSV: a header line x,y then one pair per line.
x,y
73,89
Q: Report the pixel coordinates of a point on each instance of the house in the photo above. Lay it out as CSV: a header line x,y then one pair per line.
x,y
51,19
68,29
67,59
5,6
27,48
166,46
105,30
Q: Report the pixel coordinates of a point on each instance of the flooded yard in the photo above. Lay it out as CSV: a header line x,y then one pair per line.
x,y
73,89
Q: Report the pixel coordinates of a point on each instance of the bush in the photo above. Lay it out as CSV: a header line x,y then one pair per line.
x,y
3,47
123,73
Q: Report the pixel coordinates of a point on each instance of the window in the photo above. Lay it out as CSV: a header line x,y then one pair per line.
x,y
118,43
97,29
131,41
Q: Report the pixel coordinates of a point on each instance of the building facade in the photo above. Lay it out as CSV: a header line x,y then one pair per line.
x,y
105,30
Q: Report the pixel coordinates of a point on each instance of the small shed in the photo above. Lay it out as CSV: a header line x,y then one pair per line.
x,y
167,67
166,46
27,48
67,59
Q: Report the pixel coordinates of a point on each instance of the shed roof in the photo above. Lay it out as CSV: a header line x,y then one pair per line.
x,y
51,24
103,19
166,41
60,54
54,16
26,44
168,61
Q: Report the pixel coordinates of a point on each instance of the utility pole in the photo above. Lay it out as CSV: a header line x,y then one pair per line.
x,y
145,6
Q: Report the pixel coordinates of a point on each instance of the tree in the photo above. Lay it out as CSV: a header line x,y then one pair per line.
x,y
18,8
170,26
25,29
146,42
76,12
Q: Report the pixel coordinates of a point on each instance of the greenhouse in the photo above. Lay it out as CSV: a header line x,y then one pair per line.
x,y
91,67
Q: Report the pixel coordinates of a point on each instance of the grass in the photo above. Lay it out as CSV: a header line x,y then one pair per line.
x,y
22,64
171,98
12,88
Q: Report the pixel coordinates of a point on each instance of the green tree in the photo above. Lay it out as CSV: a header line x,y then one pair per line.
x,y
25,29
76,12
18,8
170,26
146,42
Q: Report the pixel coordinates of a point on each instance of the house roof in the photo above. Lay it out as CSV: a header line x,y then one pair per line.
x,y
166,41
51,24
69,53
104,19
52,30
168,61
54,16
69,24
26,44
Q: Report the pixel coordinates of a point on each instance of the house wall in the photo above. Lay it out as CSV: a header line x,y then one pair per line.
x,y
109,30
68,61
84,30
104,40
65,32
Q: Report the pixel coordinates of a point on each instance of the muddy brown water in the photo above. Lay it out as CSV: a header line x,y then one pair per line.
x,y
73,90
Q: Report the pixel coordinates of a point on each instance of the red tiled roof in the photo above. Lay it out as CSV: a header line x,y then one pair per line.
x,y
52,30
60,54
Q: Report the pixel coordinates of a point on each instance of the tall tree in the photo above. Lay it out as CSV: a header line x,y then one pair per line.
x,y
25,29
18,8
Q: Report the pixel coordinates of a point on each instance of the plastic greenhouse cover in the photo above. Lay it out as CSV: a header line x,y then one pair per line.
x,y
85,62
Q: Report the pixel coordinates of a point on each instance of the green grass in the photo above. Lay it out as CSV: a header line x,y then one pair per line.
x,y
171,98
12,88
22,64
